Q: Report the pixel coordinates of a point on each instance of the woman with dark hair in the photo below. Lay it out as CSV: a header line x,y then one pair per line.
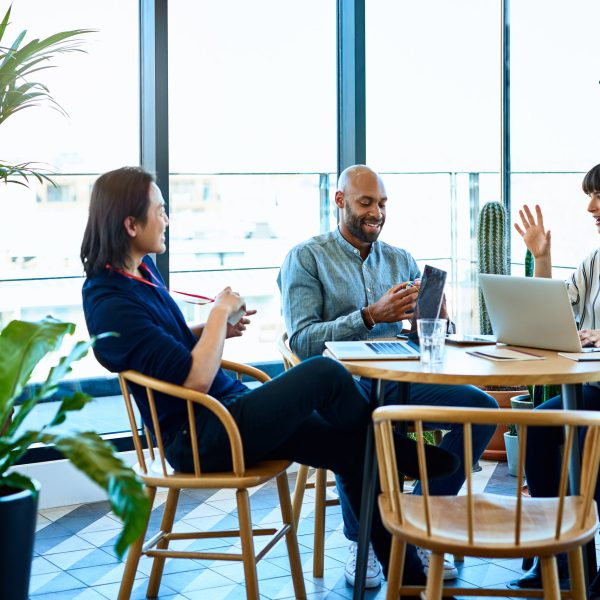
x,y
313,414
543,455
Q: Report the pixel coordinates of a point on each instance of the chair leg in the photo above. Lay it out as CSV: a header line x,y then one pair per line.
x,y
291,540
299,488
319,541
578,588
158,564
243,507
396,568
550,578
435,577
133,556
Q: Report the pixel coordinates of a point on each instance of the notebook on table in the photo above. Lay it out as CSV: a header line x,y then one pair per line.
x,y
428,305
531,311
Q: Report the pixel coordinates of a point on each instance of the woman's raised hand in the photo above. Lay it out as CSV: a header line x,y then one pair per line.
x,y
536,238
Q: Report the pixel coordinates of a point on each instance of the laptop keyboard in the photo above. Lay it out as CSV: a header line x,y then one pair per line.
x,y
390,348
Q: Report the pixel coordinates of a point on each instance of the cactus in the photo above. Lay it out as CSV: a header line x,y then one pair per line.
x,y
491,247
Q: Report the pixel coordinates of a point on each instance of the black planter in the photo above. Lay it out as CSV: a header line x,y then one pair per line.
x,y
18,513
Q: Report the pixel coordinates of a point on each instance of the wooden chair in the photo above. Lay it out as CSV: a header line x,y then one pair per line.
x,y
320,485
156,472
485,524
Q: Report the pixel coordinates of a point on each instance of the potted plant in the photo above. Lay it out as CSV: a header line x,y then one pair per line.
x,y
511,443
492,258
23,345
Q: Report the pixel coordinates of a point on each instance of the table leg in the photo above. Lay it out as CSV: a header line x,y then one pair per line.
x,y
367,502
572,398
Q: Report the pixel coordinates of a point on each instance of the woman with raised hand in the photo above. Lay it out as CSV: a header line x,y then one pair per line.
x,y
313,414
542,461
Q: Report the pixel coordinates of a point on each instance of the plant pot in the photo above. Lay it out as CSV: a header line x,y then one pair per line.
x,y
511,442
18,514
522,401
495,449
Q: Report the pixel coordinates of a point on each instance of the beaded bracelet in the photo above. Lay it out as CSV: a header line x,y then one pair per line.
x,y
365,320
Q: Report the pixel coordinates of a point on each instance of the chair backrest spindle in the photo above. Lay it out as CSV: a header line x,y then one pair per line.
x,y
468,454
522,439
133,424
423,472
193,437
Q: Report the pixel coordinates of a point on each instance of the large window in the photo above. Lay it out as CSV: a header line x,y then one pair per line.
x,y
555,100
42,226
252,118
252,141
433,114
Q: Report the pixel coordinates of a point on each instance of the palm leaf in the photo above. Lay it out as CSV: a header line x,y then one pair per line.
x,y
18,62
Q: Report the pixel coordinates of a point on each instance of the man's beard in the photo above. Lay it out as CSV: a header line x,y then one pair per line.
x,y
354,225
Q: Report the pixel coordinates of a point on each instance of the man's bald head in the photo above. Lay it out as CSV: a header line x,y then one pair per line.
x,y
361,198
351,174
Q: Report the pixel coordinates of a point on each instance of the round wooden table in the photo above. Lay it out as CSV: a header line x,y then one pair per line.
x,y
459,367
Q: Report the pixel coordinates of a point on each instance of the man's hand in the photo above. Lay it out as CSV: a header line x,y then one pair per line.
x,y
397,304
590,337
238,329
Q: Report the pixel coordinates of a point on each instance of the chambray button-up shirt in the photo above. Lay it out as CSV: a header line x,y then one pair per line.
x,y
324,283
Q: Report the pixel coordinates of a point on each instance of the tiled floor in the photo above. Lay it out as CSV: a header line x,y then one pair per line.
x,y
74,557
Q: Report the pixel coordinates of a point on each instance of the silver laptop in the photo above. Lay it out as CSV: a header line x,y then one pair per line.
x,y
374,350
531,311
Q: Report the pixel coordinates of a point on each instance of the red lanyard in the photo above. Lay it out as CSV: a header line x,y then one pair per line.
x,y
159,285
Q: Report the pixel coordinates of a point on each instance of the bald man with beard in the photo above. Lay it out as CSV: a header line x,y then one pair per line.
x,y
349,285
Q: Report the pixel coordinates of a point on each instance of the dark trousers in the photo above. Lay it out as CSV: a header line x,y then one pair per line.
x,y
313,414
543,456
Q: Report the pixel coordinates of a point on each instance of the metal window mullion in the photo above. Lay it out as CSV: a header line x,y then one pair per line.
x,y
154,103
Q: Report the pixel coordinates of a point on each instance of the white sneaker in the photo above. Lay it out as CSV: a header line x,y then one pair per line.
x,y
374,572
450,571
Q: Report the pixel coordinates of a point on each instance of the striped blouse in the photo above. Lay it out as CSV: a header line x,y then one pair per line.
x,y
584,291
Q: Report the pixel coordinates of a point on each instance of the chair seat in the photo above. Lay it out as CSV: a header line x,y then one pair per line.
x,y
260,473
494,520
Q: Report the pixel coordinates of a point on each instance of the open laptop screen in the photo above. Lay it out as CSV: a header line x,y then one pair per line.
x,y
429,301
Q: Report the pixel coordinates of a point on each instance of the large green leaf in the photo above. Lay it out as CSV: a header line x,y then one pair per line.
x,y
22,345
68,404
96,458
13,447
18,482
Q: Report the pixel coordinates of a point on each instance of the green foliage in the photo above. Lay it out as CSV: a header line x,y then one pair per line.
x,y
19,61
491,248
529,263
22,346
427,436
